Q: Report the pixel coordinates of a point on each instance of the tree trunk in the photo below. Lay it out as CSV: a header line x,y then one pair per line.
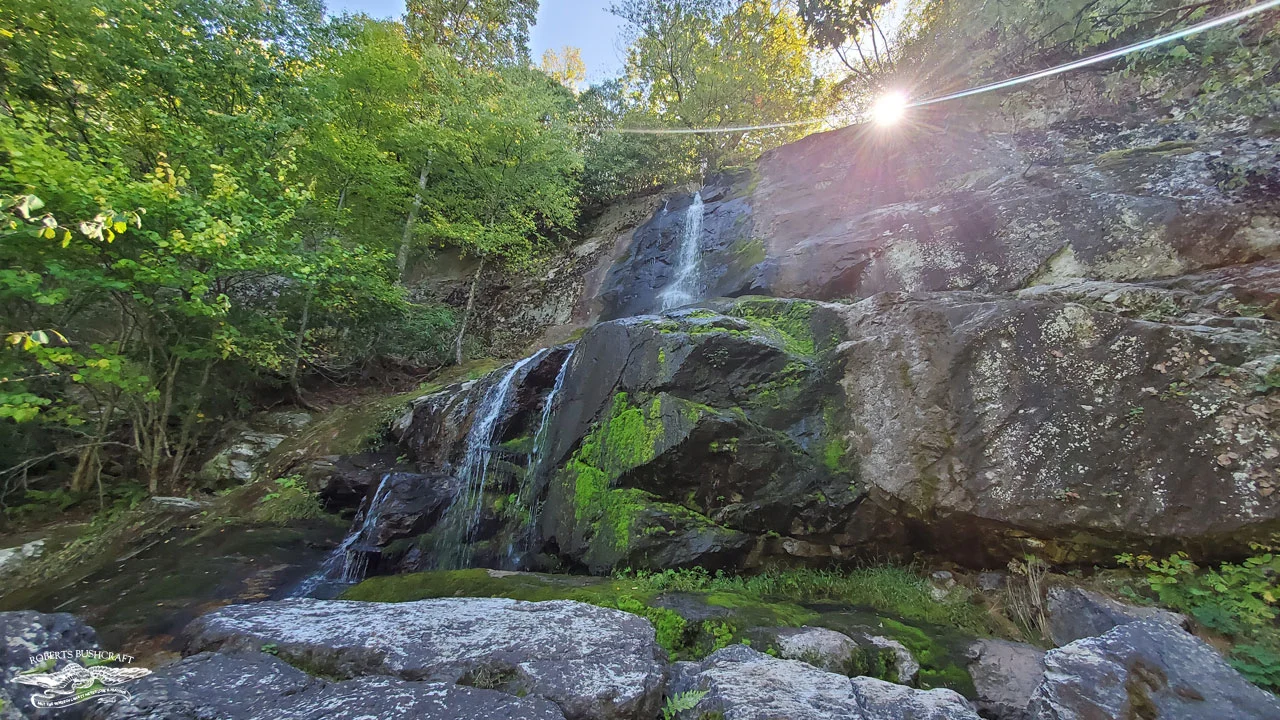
x,y
402,255
466,314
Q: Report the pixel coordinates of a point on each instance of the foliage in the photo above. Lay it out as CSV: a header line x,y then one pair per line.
x,y
837,24
476,32
681,702
204,202
1240,600
565,66
705,63
887,588
290,500
1225,74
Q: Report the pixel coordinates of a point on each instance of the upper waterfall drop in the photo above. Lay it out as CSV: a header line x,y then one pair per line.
x,y
686,286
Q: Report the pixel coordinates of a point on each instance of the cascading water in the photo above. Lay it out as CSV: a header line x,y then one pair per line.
x,y
529,485
457,527
347,564
686,285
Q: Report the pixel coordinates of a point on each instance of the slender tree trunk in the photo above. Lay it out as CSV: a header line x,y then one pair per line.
x,y
466,314
402,256
303,325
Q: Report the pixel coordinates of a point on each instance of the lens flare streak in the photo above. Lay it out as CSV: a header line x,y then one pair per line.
x,y
890,107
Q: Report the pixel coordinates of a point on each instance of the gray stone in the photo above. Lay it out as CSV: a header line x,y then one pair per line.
x,y
1037,419
256,686
820,647
1005,674
11,559
839,652
1146,669
593,662
237,461
28,633
1076,613
744,684
991,581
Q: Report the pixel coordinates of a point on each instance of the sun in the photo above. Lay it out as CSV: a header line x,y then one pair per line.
x,y
889,108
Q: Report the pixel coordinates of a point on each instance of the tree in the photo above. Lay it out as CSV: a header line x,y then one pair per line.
x,y
565,67
167,239
700,64
478,33
509,164
837,24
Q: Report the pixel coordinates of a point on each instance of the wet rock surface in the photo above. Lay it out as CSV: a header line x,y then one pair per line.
x,y
26,634
744,684
1146,669
590,661
256,686
979,427
1076,613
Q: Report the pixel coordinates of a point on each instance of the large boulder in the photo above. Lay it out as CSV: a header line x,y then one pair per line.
x,y
592,662
979,426
244,453
998,425
257,686
744,684
12,559
1076,613
1005,675
28,634
1146,669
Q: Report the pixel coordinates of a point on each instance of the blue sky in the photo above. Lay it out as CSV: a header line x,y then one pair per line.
x,y
585,24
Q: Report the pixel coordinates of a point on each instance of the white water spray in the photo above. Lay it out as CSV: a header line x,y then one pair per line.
x,y
457,527
686,286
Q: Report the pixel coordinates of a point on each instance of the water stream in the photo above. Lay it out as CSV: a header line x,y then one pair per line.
x,y
686,285
530,485
457,527
348,562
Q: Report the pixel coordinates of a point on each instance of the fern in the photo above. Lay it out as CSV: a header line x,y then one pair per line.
x,y
680,702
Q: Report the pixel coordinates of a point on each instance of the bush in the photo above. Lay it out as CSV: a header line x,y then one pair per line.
x,y
1239,600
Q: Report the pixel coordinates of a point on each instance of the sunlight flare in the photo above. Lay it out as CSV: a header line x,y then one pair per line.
x,y
889,109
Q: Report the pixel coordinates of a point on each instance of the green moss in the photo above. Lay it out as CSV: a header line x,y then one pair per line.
x,y
668,598
782,389
833,456
788,321
522,444
1164,149
625,440
748,253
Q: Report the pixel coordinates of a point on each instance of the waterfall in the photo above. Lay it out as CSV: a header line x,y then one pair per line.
x,y
529,487
457,527
346,565
540,437
686,286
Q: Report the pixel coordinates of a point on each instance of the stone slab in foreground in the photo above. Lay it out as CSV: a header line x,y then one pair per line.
x,y
592,662
1146,669
256,686
744,684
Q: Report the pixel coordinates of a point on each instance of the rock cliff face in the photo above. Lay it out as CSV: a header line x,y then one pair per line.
x,y
975,197
960,336
1075,421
